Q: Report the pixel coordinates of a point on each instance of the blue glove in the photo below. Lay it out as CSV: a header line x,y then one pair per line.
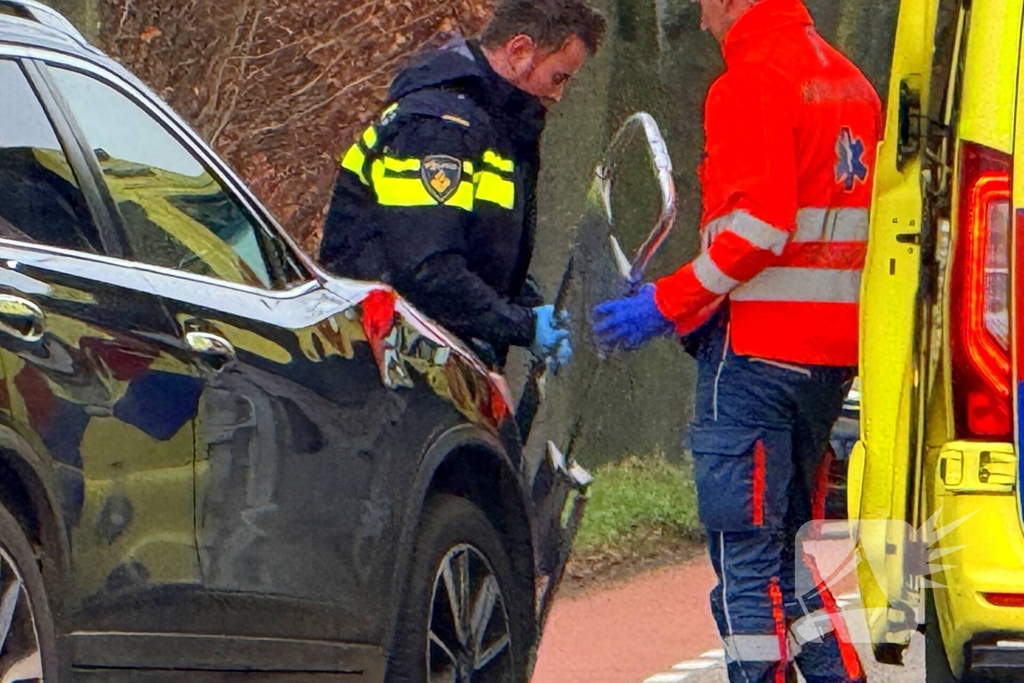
x,y
551,338
630,323
562,356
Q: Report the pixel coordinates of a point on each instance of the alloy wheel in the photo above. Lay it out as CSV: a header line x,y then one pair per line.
x,y
20,654
468,635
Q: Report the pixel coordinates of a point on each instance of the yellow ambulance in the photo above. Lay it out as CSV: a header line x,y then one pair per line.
x,y
934,480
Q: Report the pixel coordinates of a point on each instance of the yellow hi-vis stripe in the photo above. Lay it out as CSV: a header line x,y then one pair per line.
x,y
410,191
491,187
355,158
370,137
401,165
355,161
499,162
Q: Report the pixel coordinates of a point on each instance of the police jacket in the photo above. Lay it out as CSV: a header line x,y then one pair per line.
x,y
791,132
438,198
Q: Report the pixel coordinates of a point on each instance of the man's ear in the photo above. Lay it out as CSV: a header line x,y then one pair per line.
x,y
520,50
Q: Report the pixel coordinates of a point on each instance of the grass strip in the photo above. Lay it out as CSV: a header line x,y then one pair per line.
x,y
642,510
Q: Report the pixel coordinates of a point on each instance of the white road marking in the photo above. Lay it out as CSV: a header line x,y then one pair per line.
x,y
667,678
708,660
695,665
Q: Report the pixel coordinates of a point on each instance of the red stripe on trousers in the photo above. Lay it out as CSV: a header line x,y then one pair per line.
x,y
779,614
760,462
851,661
821,488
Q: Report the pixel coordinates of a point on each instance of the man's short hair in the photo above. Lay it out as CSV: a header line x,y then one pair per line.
x,y
550,23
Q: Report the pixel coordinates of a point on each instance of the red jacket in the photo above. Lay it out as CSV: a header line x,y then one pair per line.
x,y
792,129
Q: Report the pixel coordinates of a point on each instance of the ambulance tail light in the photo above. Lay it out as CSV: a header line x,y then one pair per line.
x,y
1005,599
980,297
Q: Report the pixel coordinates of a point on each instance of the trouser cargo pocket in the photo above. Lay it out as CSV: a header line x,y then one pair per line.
x,y
742,474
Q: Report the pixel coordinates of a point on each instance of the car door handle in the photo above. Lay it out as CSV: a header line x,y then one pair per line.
x,y
21,318
213,352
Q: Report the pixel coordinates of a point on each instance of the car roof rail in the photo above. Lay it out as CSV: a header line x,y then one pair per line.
x,y
44,15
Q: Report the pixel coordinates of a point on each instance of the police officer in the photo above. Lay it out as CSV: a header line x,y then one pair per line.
x,y
770,309
438,196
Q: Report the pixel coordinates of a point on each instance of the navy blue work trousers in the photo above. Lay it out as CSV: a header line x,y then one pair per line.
x,y
758,440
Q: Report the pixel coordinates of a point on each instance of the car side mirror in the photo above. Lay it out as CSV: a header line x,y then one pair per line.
x,y
632,268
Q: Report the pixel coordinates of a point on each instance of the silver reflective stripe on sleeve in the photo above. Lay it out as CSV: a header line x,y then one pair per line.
x,y
712,277
752,648
802,284
832,225
762,235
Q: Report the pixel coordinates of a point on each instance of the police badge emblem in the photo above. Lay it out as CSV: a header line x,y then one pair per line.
x,y
441,175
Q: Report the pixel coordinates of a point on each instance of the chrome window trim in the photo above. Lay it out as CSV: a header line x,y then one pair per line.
x,y
143,97
44,250
293,309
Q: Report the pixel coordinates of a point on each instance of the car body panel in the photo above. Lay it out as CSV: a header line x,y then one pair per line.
x,y
988,98
281,512
989,548
954,502
988,544
883,462
106,399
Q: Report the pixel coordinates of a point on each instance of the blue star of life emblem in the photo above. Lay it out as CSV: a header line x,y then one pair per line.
x,y
850,168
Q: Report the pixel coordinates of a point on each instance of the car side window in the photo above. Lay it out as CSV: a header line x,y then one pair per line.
x,y
176,214
40,200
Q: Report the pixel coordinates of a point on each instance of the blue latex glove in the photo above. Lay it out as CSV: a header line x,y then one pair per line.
x,y
561,357
551,337
630,323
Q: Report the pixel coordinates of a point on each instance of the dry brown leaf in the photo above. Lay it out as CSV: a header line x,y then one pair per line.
x,y
149,33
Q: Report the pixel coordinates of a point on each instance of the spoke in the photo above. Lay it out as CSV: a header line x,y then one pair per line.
x,y
463,560
483,610
28,669
453,599
436,640
8,603
486,657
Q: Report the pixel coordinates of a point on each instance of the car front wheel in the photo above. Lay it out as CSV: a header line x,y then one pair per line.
x,y
465,618
27,652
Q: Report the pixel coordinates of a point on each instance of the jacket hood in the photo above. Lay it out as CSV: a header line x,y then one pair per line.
x,y
455,63
461,65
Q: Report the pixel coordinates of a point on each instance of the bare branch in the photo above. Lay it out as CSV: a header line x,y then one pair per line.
x,y
124,17
355,10
230,113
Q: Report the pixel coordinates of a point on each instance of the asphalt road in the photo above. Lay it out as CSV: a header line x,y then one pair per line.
x,y
657,628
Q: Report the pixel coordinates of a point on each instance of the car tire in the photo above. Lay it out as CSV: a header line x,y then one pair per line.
x,y
936,663
27,637
455,541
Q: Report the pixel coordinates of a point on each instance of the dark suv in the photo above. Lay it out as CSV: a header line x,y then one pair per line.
x,y
215,459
